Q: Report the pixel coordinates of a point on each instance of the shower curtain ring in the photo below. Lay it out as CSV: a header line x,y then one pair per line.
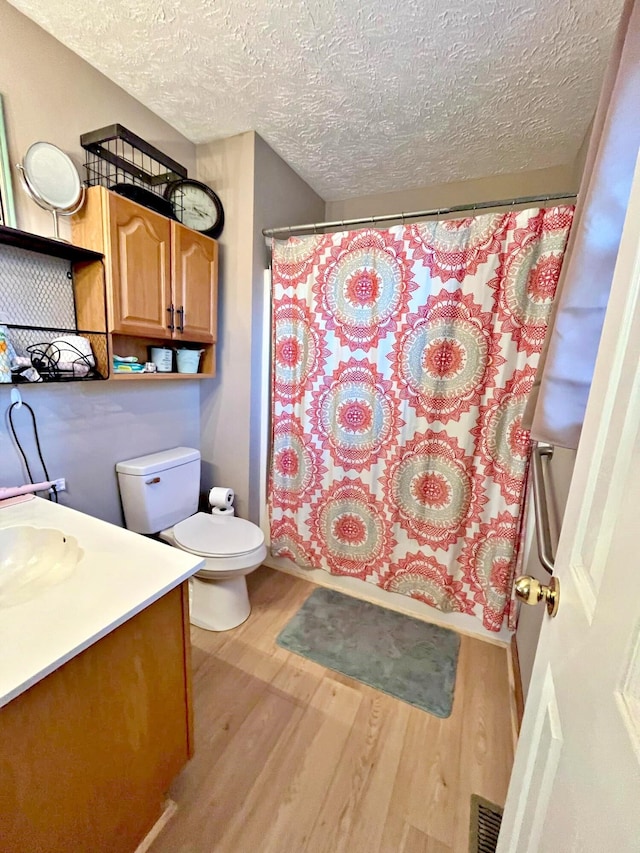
x,y
403,218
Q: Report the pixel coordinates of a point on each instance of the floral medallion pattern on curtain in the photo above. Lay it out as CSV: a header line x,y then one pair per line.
x,y
402,362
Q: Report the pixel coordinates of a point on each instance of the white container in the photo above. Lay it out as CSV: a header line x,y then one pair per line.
x,y
162,357
160,489
71,348
188,360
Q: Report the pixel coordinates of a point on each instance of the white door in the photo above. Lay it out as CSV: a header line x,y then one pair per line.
x,y
576,778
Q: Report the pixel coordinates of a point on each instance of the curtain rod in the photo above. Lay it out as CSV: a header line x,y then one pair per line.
x,y
438,211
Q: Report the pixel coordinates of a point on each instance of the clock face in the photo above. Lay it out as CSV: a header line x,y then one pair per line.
x,y
196,206
198,209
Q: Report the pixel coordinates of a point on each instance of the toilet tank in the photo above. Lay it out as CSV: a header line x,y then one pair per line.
x,y
160,489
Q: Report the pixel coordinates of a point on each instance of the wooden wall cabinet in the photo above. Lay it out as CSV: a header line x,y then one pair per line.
x,y
139,281
194,261
161,278
88,753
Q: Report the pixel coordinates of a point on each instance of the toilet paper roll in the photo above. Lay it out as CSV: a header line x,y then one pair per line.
x,y
223,510
221,497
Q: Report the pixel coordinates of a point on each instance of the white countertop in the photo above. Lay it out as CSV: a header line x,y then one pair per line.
x,y
119,575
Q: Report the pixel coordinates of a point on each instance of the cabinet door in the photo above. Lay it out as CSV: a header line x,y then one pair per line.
x,y
88,753
140,269
195,284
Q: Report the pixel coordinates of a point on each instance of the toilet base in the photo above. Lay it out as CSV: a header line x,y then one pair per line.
x,y
219,605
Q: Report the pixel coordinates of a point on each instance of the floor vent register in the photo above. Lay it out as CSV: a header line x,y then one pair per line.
x,y
486,818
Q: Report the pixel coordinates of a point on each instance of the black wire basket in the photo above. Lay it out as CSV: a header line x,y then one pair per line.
x,y
53,365
121,161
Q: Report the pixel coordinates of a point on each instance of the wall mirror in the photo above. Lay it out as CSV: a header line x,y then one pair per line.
x,y
51,179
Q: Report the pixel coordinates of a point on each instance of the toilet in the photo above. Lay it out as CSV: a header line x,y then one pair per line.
x,y
159,495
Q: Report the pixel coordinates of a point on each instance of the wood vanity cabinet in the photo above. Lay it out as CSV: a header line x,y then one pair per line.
x,y
161,277
88,753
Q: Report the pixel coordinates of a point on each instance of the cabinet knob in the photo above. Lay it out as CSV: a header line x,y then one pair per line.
x,y
181,318
171,312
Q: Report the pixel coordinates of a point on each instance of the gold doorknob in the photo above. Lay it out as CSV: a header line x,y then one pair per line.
x,y
531,591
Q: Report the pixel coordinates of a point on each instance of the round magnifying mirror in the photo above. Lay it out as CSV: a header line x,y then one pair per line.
x,y
52,181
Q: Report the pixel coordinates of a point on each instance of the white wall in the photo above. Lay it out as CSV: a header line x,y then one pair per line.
x,y
227,165
258,190
51,94
86,428
427,197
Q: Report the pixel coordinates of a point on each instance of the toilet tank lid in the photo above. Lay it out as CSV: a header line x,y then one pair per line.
x,y
152,463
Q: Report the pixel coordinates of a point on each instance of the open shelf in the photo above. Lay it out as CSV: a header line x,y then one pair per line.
x,y
44,297
46,246
126,345
156,377
34,342
59,380
56,329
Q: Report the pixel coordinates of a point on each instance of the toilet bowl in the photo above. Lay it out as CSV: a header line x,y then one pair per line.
x,y
159,494
218,592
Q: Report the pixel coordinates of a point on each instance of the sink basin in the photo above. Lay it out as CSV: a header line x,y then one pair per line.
x,y
32,559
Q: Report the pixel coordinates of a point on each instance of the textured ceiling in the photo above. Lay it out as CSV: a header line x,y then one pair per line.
x,y
359,96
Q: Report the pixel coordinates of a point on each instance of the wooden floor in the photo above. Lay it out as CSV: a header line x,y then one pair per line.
x,y
292,757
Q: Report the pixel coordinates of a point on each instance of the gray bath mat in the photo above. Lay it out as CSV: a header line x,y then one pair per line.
x,y
400,655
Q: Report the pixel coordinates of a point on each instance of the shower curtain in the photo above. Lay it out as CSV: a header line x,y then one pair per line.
x,y
402,362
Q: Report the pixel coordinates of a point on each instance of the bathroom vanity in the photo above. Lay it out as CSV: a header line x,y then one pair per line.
x,y
94,683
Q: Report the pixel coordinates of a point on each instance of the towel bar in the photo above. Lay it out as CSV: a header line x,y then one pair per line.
x,y
541,506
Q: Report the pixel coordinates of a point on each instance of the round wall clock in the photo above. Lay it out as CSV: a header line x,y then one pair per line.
x,y
196,206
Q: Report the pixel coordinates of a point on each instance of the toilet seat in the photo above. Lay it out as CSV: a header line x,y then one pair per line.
x,y
216,537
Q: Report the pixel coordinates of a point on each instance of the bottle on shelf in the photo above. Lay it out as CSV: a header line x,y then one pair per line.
x,y
5,361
